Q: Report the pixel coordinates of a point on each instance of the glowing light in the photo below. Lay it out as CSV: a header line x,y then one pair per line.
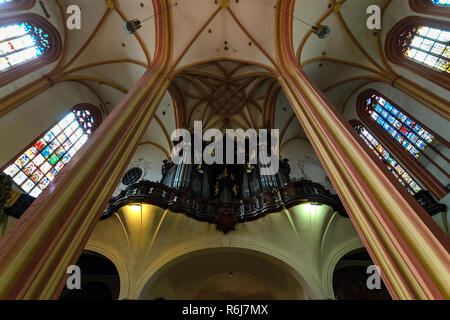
x,y
441,2
136,208
312,208
20,43
427,45
34,170
407,132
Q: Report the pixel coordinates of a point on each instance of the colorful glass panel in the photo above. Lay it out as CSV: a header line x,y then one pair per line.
x,y
37,167
407,132
441,2
21,42
391,163
427,45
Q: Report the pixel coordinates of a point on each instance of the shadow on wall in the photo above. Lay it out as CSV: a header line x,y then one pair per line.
x,y
99,279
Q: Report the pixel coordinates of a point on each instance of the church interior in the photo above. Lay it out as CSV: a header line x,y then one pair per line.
x,y
91,92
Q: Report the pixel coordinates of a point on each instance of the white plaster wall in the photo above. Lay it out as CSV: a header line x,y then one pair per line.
x,y
149,159
305,164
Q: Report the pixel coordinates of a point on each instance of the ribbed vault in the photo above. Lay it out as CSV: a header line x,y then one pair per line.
x,y
226,94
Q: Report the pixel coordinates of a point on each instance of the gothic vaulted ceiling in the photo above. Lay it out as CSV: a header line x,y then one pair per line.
x,y
219,50
225,95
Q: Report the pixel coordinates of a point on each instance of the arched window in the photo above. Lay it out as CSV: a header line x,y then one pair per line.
x,y
397,169
415,145
421,45
38,165
427,45
441,2
407,132
27,42
16,5
434,7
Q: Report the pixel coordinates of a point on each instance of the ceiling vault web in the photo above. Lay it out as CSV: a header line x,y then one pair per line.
x,y
220,87
226,91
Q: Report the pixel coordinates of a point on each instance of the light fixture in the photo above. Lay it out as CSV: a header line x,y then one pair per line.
x,y
136,207
133,25
322,31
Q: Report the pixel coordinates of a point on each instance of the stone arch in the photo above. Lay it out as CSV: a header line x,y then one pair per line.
x,y
152,275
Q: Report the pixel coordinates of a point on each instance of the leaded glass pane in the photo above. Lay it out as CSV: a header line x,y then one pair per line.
x,y
403,129
37,167
391,163
21,42
441,2
427,45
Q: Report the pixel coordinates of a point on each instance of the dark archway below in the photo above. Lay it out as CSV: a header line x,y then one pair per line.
x,y
99,279
350,278
224,274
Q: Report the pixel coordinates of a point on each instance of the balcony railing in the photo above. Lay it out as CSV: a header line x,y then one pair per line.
x,y
225,215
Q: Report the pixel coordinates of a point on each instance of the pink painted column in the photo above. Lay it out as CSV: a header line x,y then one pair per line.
x,y
402,239
52,233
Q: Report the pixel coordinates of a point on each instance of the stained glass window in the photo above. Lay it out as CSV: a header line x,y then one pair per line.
x,y
405,131
427,45
391,163
37,167
12,5
441,2
21,42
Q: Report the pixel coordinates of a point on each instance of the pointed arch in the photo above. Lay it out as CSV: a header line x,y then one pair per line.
x,y
392,163
38,164
420,44
411,142
27,43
